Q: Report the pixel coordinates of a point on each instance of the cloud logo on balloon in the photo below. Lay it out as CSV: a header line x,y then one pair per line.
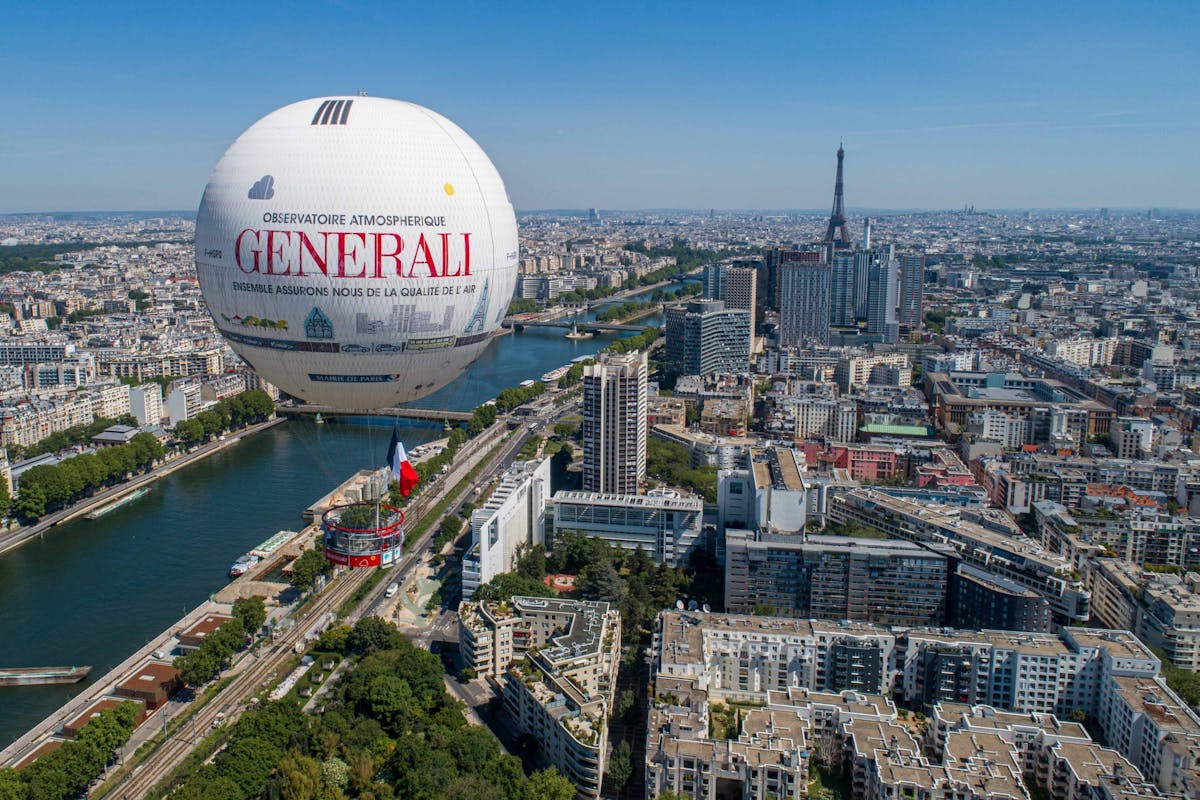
x,y
263,188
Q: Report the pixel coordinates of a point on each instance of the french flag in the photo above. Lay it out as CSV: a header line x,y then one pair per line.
x,y
402,470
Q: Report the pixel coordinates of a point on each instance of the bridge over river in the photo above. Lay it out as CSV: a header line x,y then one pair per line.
x,y
603,327
434,414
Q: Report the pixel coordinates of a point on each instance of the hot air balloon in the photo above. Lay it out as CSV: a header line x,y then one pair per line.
x,y
357,252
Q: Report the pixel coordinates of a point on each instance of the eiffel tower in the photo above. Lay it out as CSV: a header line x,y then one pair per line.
x,y
479,315
837,233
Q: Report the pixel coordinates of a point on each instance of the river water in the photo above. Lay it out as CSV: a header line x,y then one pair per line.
x,y
93,591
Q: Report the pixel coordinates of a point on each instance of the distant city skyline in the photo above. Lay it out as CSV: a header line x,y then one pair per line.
x,y
1080,105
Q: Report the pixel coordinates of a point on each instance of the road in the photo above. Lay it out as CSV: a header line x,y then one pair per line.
x,y
255,670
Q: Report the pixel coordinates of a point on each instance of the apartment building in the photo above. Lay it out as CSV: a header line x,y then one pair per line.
x,y
735,713
555,664
980,541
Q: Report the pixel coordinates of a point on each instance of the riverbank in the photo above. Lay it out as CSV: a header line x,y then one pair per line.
x,y
655,308
19,536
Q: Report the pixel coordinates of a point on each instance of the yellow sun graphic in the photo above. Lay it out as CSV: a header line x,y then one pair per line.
x,y
449,188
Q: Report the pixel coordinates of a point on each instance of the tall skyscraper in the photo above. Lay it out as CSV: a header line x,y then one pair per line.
x,y
837,233
912,287
740,288
842,290
706,336
862,282
774,258
884,290
804,304
614,423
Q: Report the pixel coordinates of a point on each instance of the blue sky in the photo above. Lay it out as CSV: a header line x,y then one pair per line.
x,y
625,105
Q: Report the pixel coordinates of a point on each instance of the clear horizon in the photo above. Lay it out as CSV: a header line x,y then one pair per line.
x,y
1070,107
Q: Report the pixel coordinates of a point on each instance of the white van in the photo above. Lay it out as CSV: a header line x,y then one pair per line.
x,y
391,590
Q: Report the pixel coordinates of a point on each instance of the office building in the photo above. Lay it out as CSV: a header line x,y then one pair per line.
x,y
882,581
513,516
769,277
770,494
804,304
912,289
664,523
614,424
842,289
704,336
735,283
883,298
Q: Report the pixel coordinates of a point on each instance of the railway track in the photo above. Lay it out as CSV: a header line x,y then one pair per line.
x,y
258,668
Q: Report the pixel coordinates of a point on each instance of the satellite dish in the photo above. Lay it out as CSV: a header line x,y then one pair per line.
x,y
706,608
693,605
679,605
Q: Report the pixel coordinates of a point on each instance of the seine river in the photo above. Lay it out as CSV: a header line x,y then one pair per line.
x,y
93,591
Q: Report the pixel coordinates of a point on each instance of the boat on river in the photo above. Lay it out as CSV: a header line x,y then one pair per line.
x,y
31,676
114,505
243,564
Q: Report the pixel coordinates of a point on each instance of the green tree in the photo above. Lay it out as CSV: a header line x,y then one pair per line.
x,y
549,784
11,785
189,431
31,503
620,765
627,703
508,584
531,561
452,525
307,567
600,581
210,421
333,640
371,634
299,776
252,613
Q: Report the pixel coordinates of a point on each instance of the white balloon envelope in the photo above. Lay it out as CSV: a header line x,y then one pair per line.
x,y
357,252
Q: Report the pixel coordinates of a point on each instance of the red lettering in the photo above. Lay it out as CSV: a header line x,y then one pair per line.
x,y
394,255
306,246
275,255
345,251
423,257
256,250
445,237
357,255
